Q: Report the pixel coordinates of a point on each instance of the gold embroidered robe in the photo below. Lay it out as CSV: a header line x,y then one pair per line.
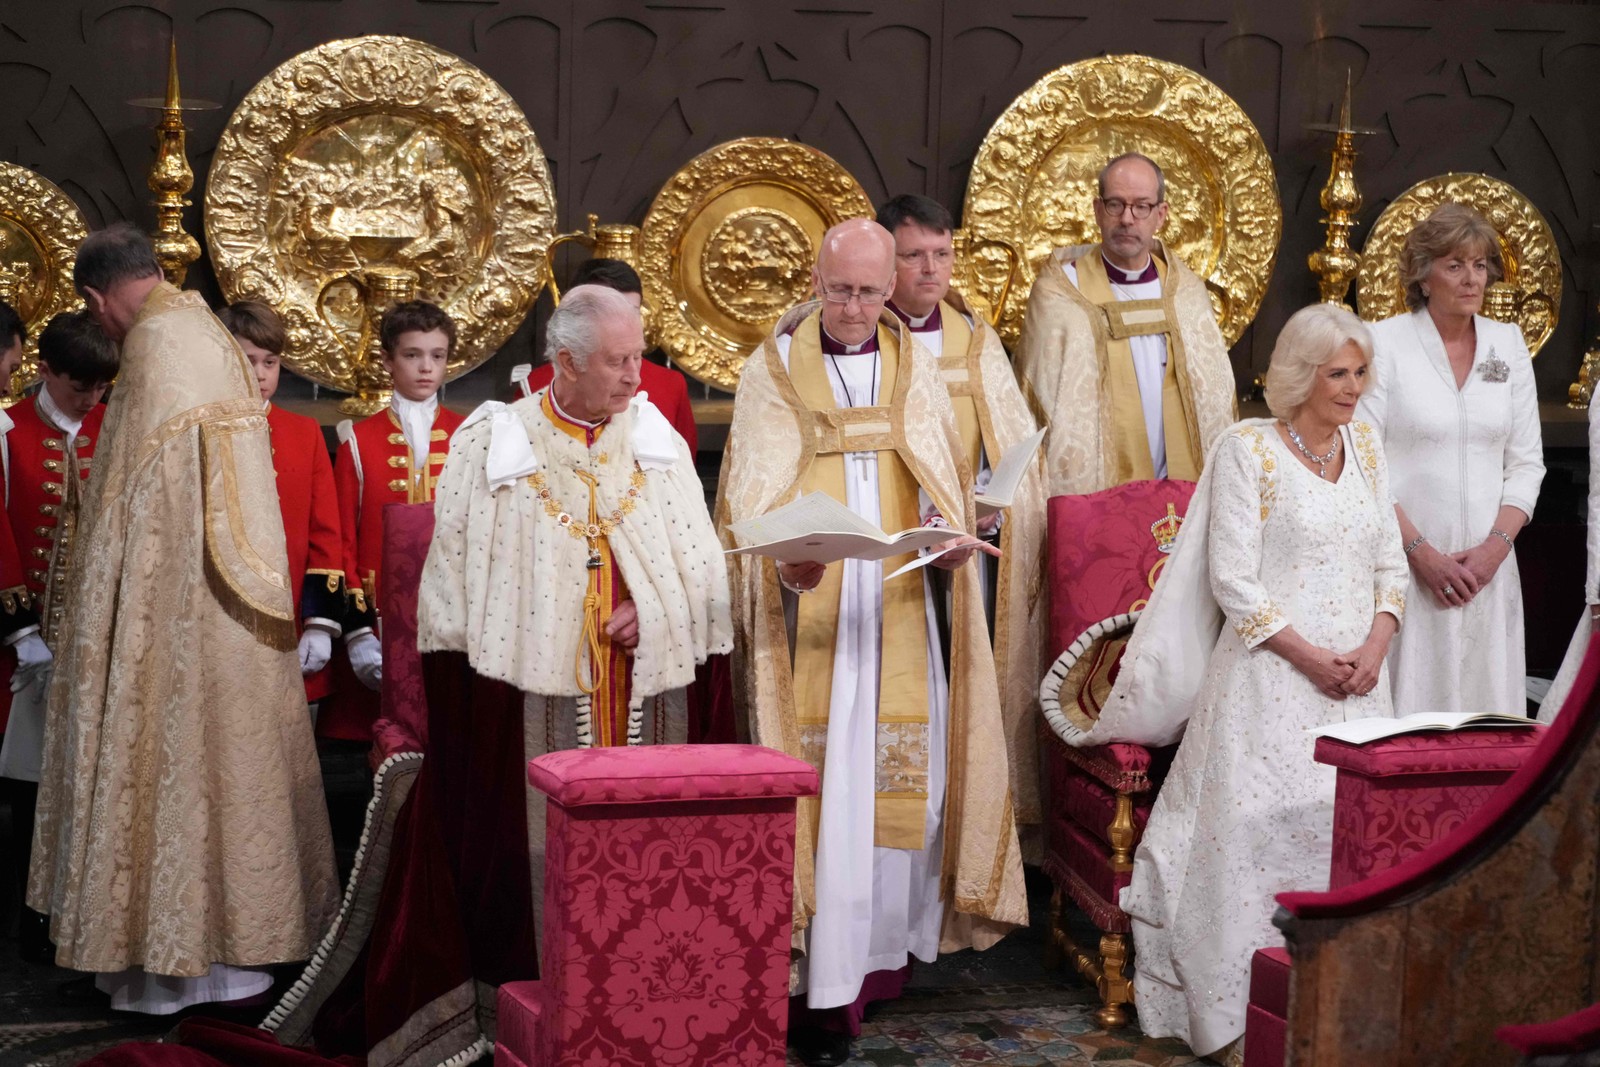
x,y
771,447
1063,361
983,375
181,819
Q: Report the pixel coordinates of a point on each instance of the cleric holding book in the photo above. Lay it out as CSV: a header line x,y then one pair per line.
x,y
841,399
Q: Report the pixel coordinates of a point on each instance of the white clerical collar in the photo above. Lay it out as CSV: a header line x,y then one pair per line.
x,y
832,342
47,408
585,423
1146,273
921,323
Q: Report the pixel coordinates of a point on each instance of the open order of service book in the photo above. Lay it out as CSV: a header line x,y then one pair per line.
x,y
818,529
1003,483
1364,731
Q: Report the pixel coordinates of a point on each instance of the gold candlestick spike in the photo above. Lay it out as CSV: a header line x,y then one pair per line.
x,y
1335,264
171,177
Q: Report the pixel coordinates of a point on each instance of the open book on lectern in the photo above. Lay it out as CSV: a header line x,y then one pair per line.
x,y
1003,483
818,529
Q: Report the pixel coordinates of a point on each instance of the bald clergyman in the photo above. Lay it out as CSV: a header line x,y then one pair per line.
x,y
912,846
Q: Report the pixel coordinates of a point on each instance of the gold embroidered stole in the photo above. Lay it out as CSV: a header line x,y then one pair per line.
x,y
1122,319
608,675
963,379
900,817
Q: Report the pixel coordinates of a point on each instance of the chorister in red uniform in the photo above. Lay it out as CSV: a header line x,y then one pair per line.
x,y
393,457
46,455
46,451
665,387
305,496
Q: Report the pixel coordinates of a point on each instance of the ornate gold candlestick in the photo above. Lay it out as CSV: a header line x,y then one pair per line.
x,y
1335,264
171,177
383,285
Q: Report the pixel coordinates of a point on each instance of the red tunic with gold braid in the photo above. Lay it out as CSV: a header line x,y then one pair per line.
x,y
377,471
43,491
310,526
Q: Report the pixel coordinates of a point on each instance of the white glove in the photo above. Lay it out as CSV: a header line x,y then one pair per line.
x,y
33,657
316,646
366,658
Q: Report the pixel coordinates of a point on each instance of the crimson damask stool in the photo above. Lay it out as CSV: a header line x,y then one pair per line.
x,y
669,877
1394,797
1400,795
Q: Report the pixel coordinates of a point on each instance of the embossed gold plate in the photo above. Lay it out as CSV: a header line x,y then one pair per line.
x,y
1527,248
1033,181
371,155
40,230
728,246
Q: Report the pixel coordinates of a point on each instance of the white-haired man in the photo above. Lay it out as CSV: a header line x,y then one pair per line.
x,y
912,847
1121,348
573,582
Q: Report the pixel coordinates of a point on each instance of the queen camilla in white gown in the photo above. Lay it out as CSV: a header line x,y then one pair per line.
x,y
1270,555
1245,813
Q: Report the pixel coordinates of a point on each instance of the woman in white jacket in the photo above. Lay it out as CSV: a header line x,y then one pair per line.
x,y
1456,408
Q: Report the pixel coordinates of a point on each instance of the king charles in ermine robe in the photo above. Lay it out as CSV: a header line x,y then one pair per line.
x,y
544,524
912,846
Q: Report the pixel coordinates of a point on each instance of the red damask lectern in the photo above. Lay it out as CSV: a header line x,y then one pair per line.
x,y
669,876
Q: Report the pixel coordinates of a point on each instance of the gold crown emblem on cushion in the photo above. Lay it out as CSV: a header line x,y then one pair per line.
x,y
1165,529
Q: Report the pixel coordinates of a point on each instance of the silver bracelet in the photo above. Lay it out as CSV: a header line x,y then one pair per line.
x,y
1412,547
1502,535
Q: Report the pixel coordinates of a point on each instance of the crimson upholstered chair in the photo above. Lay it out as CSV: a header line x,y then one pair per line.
x,y
669,873
1106,550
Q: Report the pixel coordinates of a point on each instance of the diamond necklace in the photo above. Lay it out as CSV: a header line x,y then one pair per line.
x,y
1321,461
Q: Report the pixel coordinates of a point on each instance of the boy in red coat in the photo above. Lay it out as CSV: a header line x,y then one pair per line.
x,y
393,457
45,453
664,386
305,496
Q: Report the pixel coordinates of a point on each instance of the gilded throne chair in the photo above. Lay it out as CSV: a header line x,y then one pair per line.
x,y
1106,551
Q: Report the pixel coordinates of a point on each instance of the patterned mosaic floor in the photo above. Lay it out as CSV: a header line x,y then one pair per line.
x,y
1038,1024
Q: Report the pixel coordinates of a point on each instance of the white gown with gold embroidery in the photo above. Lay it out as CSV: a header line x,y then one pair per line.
x,y
1245,813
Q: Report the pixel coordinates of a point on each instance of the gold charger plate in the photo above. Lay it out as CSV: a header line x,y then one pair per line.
x,y
1033,181
728,245
40,230
379,152
1527,248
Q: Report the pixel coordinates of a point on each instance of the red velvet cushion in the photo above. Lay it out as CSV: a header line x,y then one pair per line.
x,y
1102,550
1266,1038
403,722
1269,981
518,1006
1436,752
655,773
